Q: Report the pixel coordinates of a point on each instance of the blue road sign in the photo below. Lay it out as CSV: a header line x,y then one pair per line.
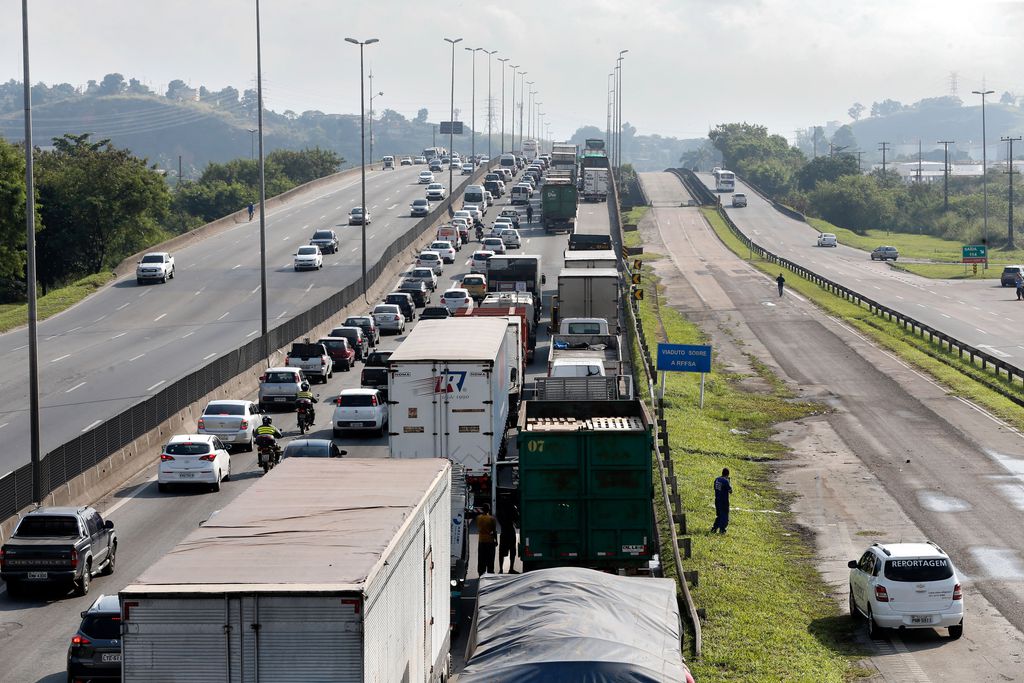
x,y
684,358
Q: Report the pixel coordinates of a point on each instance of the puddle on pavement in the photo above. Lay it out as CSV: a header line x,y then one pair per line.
x,y
941,502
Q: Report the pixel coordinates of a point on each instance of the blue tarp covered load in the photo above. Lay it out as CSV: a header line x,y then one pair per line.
x,y
574,624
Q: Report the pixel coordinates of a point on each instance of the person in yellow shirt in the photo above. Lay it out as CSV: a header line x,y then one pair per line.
x,y
487,540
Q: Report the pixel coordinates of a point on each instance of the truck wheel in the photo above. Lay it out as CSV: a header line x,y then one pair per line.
x,y
162,488
82,584
13,590
955,632
108,568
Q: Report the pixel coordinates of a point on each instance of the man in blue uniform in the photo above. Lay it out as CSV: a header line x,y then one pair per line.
x,y
722,490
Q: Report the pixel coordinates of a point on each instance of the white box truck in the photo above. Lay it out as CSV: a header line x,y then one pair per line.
x,y
597,258
448,387
595,184
323,570
587,293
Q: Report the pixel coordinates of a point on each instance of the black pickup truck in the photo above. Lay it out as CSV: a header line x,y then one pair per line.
x,y
58,545
375,372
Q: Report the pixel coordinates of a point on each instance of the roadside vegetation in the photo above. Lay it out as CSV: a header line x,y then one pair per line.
x,y
57,300
769,616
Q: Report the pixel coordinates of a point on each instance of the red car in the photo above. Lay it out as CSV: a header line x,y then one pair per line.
x,y
343,355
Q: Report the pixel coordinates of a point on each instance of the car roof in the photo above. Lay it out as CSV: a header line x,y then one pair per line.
x,y
310,442
58,510
345,328
359,317
106,604
188,438
456,289
230,402
282,368
398,294
357,392
909,550
388,305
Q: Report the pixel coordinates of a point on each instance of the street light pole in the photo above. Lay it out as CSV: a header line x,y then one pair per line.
x,y
252,144
522,105
451,129
512,113
362,146
503,60
372,95
262,182
528,105
472,141
619,153
984,165
608,115
490,106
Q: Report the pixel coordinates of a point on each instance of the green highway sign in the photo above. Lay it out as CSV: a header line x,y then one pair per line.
x,y
975,253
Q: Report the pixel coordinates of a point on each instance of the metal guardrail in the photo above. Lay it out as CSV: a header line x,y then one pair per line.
x,y
666,468
944,341
68,460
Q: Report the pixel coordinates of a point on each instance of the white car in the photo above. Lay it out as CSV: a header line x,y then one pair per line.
x,y
465,214
527,187
827,239
436,192
502,223
467,169
476,212
389,317
360,410
430,259
494,244
419,160
445,249
457,298
510,236
904,586
426,177
309,257
424,275
478,261
233,422
193,459
489,197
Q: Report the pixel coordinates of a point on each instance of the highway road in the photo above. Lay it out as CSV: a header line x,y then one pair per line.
x,y
127,341
977,312
35,632
900,458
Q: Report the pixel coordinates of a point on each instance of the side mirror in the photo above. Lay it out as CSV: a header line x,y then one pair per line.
x,y
543,279
108,524
852,564
263,378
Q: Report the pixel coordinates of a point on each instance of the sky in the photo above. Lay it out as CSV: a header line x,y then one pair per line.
x,y
691,64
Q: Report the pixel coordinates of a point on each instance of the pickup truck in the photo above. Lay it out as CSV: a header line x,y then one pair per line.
x,y
157,265
375,372
583,326
312,359
58,545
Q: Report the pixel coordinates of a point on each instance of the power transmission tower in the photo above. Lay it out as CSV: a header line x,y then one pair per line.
x,y
953,76
945,172
1009,170
885,148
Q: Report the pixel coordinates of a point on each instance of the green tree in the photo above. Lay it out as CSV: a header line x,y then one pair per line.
x,y
112,84
826,168
306,165
886,107
137,87
844,137
179,90
856,202
12,219
212,200
856,111
421,116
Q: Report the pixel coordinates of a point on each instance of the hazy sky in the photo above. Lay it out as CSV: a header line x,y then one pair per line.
x,y
691,64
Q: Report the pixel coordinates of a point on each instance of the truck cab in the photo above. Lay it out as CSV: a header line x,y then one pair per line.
x,y
577,367
583,326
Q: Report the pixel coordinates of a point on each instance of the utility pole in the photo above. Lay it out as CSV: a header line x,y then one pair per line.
x,y
1009,222
490,106
919,170
512,110
503,60
472,140
859,154
945,172
885,148
179,172
522,105
608,108
362,149
451,129
984,163
434,138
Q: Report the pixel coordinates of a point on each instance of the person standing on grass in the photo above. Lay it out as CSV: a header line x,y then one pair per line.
x,y
722,490
1018,280
486,540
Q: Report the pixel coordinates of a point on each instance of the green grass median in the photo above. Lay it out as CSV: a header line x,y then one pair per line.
x,y
16,315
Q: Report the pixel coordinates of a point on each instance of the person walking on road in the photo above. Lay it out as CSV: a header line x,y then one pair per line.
x,y
508,519
722,490
486,540
1018,281
252,210
781,281
529,213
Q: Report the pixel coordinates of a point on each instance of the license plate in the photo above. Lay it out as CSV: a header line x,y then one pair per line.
x,y
38,575
362,424
110,657
282,399
186,475
920,619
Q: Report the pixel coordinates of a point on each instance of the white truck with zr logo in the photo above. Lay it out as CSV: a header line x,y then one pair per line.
x,y
448,387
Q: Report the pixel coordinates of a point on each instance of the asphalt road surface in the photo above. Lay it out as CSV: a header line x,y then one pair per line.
x,y
899,459
127,341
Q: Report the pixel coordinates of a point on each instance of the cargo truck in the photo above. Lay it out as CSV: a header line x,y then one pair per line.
x,y
459,554
324,570
587,293
595,184
594,258
448,390
517,351
584,242
515,303
518,273
585,484
584,367
559,199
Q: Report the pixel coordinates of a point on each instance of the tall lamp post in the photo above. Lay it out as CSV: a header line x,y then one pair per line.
x,y
252,144
451,121
372,95
528,106
608,114
472,141
503,60
512,112
362,144
616,130
262,182
490,105
522,105
619,90
984,166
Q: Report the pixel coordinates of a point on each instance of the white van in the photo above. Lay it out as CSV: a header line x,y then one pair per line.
x,y
475,195
389,162
520,195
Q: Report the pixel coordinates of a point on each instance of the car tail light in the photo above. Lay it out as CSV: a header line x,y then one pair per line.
x,y
202,424
209,457
957,592
74,559
79,641
164,457
244,424
3,559
373,401
287,359
881,595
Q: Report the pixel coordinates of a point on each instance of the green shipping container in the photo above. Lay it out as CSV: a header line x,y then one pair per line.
x,y
558,205
585,484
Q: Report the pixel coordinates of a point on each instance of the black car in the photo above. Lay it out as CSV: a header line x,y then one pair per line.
x,y
95,650
327,240
375,372
404,301
418,290
312,448
435,313
367,325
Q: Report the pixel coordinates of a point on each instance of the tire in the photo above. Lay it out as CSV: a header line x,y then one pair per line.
x,y
162,488
875,632
163,280
138,281
338,433
248,447
108,568
171,276
82,584
955,632
854,614
215,487
14,590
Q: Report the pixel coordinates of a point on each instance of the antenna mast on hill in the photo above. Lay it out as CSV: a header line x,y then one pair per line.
x,y
953,77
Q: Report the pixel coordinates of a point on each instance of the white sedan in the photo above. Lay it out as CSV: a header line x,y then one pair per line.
x,y
432,260
445,249
436,192
309,258
360,410
193,459
389,317
478,261
232,421
426,177
495,244
454,299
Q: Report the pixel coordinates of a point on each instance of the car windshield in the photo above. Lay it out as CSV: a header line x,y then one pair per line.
x,y
475,281
358,322
396,299
456,294
224,409
307,451
1012,269
379,358
152,258
440,245
429,257
187,449
919,569
435,311
280,378
102,626
335,344
355,400
43,526
356,210
307,251
322,235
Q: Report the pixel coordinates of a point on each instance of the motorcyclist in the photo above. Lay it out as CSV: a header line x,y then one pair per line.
x,y
306,395
479,229
269,434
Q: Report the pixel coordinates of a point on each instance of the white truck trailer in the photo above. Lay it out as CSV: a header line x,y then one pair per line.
x,y
597,258
595,184
324,570
448,386
587,293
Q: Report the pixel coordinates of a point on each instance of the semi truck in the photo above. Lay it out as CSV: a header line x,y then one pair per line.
x,y
518,273
585,484
595,184
517,350
558,204
514,303
324,570
584,242
448,389
587,293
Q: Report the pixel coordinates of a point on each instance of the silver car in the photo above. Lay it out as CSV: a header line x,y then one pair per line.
x,y
233,422
389,318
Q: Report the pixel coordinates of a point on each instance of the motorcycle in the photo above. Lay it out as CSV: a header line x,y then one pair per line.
x,y
304,413
268,454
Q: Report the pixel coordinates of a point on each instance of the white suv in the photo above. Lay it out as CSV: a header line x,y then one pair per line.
x,y
906,585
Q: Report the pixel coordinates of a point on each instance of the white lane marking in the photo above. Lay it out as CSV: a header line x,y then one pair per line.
x,y
2,426
374,207
943,315
19,348
899,297
143,294
253,333
90,426
209,356
323,217
255,290
120,307
309,287
392,207
372,236
224,315
66,355
159,317
355,249
163,381
922,305
116,336
285,238
188,334
307,224
1001,354
982,331
80,384
281,315
136,357
237,265
199,291
73,329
